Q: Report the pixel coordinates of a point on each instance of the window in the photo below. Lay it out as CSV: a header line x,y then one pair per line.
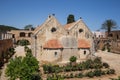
x,y
68,32
110,35
84,52
29,34
117,37
22,34
53,29
99,36
80,30
55,53
13,35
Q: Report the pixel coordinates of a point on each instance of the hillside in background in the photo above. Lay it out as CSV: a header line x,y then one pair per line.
x,y
4,28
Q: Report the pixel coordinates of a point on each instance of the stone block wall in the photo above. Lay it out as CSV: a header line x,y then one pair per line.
x,y
21,34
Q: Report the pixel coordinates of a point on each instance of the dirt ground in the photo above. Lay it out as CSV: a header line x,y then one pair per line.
x,y
111,58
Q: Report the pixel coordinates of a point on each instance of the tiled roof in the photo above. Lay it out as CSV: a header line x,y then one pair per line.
x,y
53,43
68,25
82,43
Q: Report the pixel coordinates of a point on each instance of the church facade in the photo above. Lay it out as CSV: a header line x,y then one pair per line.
x,y
53,42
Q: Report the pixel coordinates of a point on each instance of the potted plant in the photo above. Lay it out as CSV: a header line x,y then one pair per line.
x,y
73,60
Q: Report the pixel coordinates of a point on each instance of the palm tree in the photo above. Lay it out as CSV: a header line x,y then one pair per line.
x,y
108,25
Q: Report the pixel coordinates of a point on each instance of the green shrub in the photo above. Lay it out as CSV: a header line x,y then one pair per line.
x,y
25,48
80,75
103,49
112,71
98,65
80,67
88,64
67,76
105,65
51,69
55,77
45,68
23,42
90,74
26,68
71,75
108,49
11,51
97,72
36,76
73,59
74,68
68,68
97,60
49,78
103,73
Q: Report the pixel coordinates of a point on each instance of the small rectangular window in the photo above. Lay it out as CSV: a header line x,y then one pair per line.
x,y
55,53
84,52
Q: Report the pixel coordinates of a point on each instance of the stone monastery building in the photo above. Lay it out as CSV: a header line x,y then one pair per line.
x,y
53,42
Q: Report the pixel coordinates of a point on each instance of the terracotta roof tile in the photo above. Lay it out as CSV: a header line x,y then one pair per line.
x,y
68,25
82,43
53,43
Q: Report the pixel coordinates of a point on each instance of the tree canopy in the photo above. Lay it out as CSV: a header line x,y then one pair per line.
x,y
4,28
26,68
70,18
108,25
28,27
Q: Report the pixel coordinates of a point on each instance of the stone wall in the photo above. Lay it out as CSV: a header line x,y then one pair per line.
x,y
83,53
114,34
16,35
50,55
4,35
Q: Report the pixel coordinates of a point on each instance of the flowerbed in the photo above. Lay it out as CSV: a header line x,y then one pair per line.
x,y
88,68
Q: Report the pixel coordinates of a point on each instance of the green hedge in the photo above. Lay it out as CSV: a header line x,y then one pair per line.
x,y
23,42
86,65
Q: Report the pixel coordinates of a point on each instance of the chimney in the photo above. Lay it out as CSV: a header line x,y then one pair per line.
x,y
80,17
53,14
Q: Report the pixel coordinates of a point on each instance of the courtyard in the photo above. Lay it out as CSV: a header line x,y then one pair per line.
x,y
111,58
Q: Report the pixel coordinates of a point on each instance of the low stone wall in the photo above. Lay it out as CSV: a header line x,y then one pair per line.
x,y
4,46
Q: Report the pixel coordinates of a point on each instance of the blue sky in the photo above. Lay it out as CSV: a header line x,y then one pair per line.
x,y
19,13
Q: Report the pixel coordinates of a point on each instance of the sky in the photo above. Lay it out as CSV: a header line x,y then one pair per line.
x,y
19,13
